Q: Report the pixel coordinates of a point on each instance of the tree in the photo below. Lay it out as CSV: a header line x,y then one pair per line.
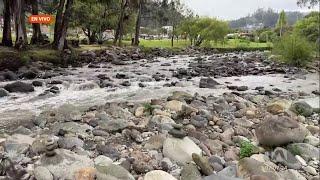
x,y
309,3
126,17
204,29
64,13
282,22
138,23
6,35
36,35
309,27
20,26
85,15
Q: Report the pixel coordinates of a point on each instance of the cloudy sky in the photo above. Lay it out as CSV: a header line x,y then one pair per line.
x,y
233,9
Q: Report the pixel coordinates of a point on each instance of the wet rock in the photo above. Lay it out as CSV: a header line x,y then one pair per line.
x,y
190,172
29,75
19,87
279,130
180,150
115,171
3,92
242,88
37,83
122,76
203,163
125,83
158,175
281,155
208,83
302,108
42,173
306,151
8,75
248,167
55,82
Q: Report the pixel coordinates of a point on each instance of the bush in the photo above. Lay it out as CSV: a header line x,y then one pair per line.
x,y
247,149
267,36
294,50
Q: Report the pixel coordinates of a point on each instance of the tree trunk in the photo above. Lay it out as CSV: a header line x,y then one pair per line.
x,y
58,24
138,24
92,38
60,41
36,35
172,37
20,26
6,36
119,29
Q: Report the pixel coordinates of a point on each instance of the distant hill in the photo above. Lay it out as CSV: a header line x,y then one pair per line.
x,y
264,18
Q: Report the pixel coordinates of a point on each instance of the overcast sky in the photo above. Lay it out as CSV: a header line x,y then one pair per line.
x,y
233,9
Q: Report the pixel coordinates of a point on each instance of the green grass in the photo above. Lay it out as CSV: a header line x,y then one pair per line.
x,y
232,43
247,149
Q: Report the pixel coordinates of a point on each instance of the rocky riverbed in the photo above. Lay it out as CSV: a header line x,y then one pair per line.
x,y
201,116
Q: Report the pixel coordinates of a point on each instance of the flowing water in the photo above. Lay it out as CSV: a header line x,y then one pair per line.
x,y
81,87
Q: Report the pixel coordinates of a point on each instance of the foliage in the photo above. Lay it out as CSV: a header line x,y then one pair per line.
x,y
204,29
282,25
294,49
267,17
309,27
295,150
148,108
247,149
268,36
85,16
309,3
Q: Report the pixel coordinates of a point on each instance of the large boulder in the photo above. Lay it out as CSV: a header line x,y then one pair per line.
x,y
281,155
306,151
248,167
3,92
302,108
208,83
277,107
65,163
279,130
180,150
19,87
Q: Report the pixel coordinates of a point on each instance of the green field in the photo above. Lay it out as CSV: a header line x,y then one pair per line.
x,y
185,43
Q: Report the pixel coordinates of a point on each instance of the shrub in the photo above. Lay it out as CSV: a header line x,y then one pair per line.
x,y
294,50
148,108
247,149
